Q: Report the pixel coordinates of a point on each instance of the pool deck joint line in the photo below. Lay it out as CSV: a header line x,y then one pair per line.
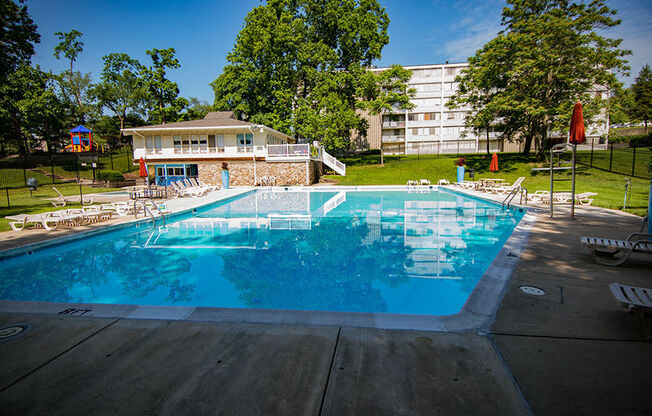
x,y
477,314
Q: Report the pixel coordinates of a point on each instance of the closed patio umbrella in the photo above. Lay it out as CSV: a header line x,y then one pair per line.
x,y
493,167
577,136
142,171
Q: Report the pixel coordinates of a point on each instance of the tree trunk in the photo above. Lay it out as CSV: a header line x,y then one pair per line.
x,y
381,156
527,144
488,151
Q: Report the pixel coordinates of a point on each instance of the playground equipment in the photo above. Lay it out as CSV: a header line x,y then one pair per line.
x,y
81,139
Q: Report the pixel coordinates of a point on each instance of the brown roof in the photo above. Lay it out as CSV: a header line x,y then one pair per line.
x,y
212,119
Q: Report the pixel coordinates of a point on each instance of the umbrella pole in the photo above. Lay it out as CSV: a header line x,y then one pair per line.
x,y
572,212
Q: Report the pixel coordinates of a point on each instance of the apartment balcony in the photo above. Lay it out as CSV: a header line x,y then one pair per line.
x,y
393,124
393,139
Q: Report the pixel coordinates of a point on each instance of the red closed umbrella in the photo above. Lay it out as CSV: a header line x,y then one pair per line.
x,y
142,171
493,167
577,136
577,133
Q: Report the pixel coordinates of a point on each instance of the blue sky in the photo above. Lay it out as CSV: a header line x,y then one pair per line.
x,y
204,31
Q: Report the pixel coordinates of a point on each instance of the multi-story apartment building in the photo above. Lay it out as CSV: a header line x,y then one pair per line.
x,y
432,127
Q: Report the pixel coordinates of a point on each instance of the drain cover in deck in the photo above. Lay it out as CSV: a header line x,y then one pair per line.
x,y
531,290
11,331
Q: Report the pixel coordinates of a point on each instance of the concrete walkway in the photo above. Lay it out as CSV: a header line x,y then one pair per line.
x,y
571,351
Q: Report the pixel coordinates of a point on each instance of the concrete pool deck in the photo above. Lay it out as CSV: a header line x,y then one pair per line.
x,y
570,351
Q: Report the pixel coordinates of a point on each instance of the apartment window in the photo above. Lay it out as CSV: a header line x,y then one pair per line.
x,y
194,143
245,142
153,144
177,144
436,72
450,116
175,171
185,144
434,131
448,86
149,144
426,116
413,117
450,72
415,132
203,143
220,143
211,142
436,87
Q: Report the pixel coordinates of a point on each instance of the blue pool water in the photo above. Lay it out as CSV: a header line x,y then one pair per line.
x,y
355,251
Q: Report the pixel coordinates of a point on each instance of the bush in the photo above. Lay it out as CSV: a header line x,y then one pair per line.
x,y
110,175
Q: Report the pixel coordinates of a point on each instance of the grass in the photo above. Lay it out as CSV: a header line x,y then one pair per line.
x,y
366,170
22,203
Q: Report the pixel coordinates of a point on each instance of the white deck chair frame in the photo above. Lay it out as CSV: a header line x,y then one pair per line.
x,y
616,252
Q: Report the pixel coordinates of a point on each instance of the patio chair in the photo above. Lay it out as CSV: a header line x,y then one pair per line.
x,y
443,182
615,252
424,182
61,200
632,297
505,189
21,221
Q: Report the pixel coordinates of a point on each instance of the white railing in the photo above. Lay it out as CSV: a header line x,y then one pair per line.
x,y
288,151
389,139
394,123
333,163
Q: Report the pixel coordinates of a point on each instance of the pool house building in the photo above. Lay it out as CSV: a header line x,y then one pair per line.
x,y
197,148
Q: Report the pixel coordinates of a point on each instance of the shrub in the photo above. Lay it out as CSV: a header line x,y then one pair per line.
x,y
110,175
461,161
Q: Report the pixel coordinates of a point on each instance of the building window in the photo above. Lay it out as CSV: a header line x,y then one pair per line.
x,y
203,144
153,144
194,143
177,144
415,132
185,144
244,142
450,72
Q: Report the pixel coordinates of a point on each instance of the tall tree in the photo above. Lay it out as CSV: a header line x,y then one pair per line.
x,y
121,89
18,36
299,65
548,56
164,94
642,91
73,82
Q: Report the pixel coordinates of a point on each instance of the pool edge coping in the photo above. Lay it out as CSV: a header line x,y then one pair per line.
x,y
477,314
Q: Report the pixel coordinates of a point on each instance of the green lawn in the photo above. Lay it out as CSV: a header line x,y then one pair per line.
x,y
22,203
366,170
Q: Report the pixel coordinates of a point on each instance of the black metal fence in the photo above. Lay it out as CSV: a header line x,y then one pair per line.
x,y
62,167
619,158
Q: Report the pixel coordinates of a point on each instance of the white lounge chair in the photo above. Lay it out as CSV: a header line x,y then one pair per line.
x,y
424,182
21,221
615,252
632,297
61,200
443,182
505,189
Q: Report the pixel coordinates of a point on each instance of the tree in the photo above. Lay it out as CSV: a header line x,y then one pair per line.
x,y
299,66
197,109
73,83
166,104
621,106
121,89
642,91
17,37
548,56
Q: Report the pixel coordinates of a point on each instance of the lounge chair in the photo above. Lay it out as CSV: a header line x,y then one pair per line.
x,y
615,252
61,200
424,182
19,222
632,297
443,182
505,189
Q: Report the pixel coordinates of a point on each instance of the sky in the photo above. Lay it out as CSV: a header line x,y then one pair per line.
x,y
204,31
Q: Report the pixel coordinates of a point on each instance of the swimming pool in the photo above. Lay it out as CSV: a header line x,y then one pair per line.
x,y
373,251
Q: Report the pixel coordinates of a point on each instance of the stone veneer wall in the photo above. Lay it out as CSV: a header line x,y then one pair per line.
x,y
241,172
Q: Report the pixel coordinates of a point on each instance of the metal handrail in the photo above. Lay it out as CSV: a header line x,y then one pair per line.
x,y
512,194
148,211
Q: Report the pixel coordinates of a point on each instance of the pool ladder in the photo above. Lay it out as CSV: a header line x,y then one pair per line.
x,y
512,194
148,211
